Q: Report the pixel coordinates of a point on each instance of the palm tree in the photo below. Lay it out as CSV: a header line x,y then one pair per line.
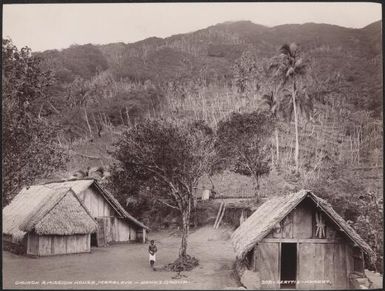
x,y
289,68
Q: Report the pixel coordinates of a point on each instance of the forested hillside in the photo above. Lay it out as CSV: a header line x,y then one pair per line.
x,y
96,92
208,56
211,72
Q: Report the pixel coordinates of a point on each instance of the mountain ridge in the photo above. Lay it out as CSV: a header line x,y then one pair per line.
x,y
209,54
373,24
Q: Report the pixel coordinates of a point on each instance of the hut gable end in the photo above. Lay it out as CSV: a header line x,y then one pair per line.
x,y
46,211
98,198
68,217
293,216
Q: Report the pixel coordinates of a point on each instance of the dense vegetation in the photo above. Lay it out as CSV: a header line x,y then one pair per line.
x,y
29,143
323,101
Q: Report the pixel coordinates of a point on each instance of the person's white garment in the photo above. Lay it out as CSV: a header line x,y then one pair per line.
x,y
152,257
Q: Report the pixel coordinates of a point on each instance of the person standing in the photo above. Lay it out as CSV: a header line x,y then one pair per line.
x,y
152,249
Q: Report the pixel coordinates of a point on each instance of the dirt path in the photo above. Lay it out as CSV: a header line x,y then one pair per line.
x,y
125,266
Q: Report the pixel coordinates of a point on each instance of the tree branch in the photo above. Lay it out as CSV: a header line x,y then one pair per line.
x,y
169,205
174,191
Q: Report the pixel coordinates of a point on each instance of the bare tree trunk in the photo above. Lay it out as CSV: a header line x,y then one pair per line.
x,y
54,108
185,232
256,186
277,144
121,116
94,121
296,154
58,139
128,117
108,120
357,145
100,119
41,108
88,124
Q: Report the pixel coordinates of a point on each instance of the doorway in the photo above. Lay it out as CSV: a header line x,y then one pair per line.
x,y
288,265
94,241
101,236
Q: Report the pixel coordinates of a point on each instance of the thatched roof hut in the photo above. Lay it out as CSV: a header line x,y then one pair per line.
x,y
265,218
79,186
300,233
115,224
34,218
47,212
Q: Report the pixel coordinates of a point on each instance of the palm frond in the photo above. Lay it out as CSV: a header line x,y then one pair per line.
x,y
301,67
273,67
286,92
298,62
268,98
289,72
285,50
293,49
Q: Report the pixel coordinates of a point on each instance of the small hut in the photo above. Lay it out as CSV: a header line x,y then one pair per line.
x,y
299,242
115,224
48,222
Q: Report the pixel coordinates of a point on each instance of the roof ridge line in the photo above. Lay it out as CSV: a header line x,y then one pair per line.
x,y
82,204
111,198
66,180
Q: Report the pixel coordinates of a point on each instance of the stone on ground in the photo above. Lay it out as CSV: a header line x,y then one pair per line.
x,y
251,280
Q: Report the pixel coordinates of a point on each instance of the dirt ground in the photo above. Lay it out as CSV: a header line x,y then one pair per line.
x,y
375,278
125,266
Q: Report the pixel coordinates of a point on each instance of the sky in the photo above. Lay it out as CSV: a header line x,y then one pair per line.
x,y
57,26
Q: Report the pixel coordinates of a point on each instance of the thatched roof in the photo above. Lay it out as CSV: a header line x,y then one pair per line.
x,y
47,212
263,220
79,185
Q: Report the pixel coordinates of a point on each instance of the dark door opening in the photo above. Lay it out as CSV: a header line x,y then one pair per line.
x,y
288,265
94,241
101,240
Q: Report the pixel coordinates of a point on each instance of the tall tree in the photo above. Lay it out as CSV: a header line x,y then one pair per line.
x,y
272,101
289,68
169,159
243,145
245,72
30,150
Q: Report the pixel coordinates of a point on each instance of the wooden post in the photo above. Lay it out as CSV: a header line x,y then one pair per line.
x,y
219,213
241,217
144,235
221,217
363,261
